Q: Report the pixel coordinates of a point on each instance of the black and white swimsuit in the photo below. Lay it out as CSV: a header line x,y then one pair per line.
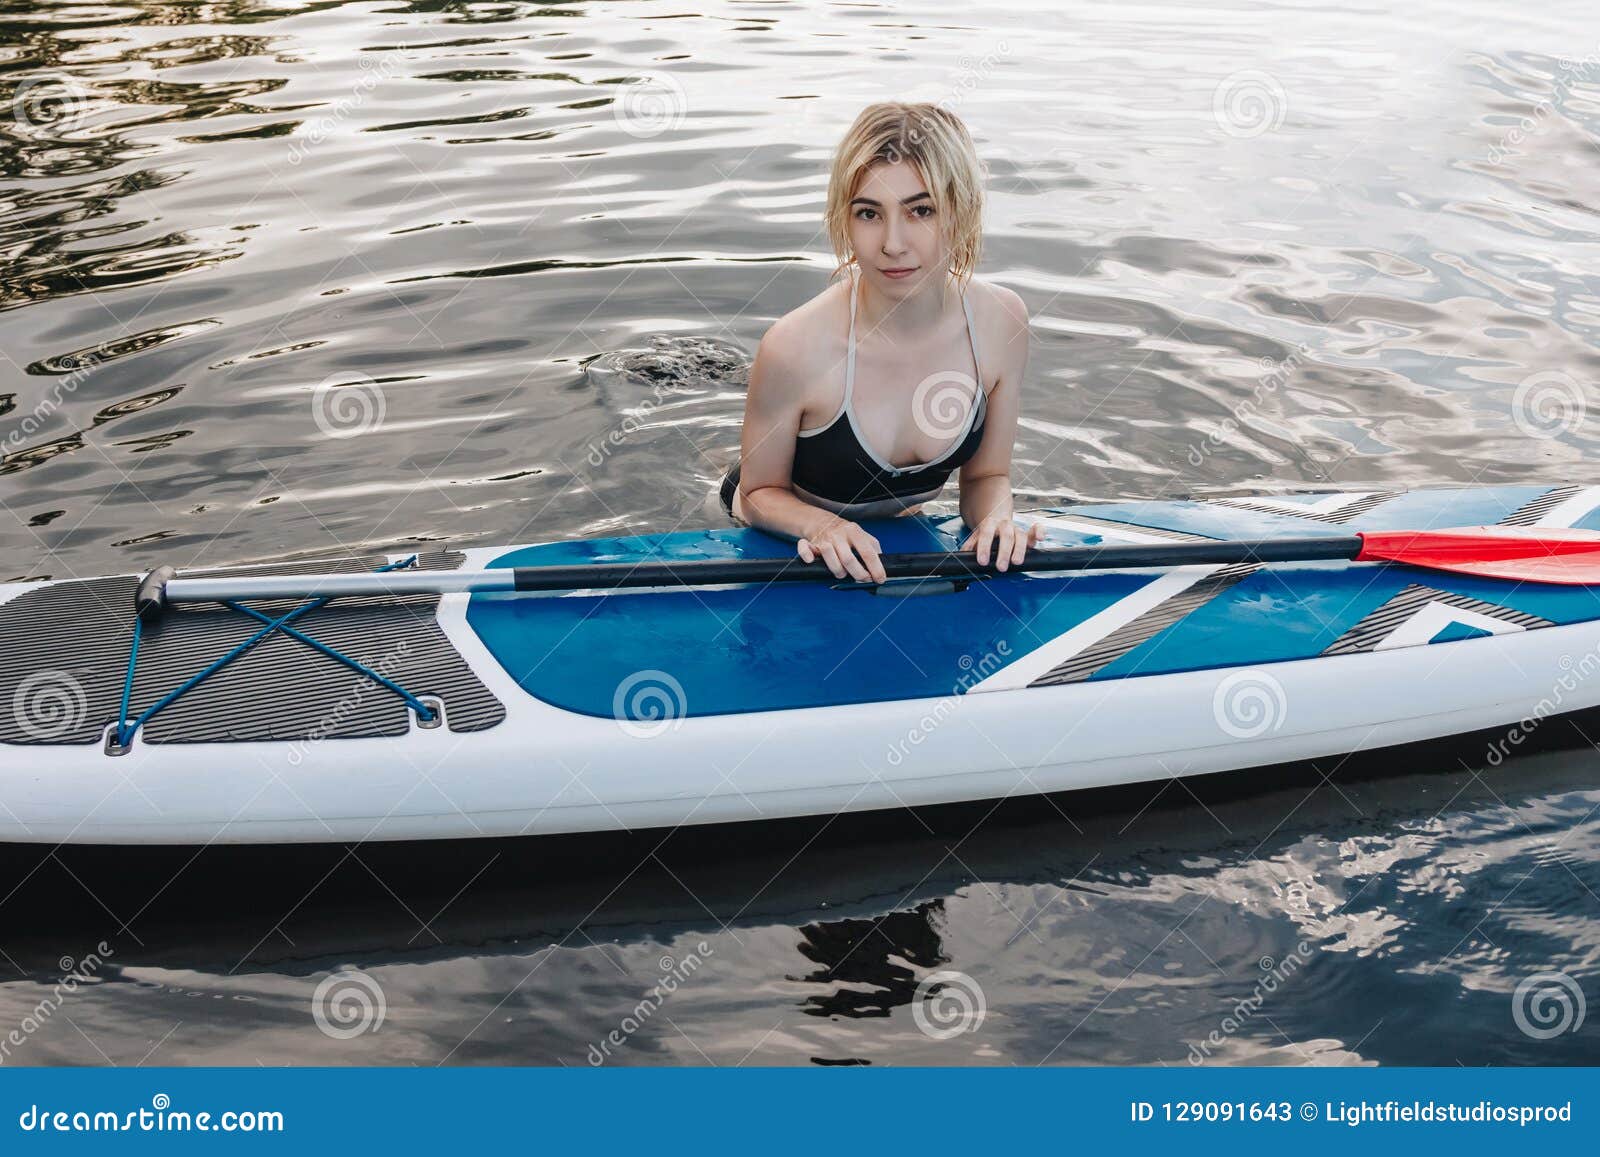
x,y
835,467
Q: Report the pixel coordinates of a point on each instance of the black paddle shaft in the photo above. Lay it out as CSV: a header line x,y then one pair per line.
x,y
932,564
164,585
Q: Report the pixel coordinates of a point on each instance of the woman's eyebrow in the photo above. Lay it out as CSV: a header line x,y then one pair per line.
x,y
879,205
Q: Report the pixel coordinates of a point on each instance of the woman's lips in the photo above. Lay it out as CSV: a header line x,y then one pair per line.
x,y
899,273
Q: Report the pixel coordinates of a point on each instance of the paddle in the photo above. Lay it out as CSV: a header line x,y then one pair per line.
x,y
1517,553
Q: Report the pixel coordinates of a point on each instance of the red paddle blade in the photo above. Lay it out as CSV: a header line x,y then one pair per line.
x,y
1534,554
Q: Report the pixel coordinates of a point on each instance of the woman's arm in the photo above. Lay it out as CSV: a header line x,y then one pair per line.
x,y
986,504
767,501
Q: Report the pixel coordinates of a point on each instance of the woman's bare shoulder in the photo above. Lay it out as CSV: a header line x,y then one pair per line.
x,y
1001,318
803,343
998,310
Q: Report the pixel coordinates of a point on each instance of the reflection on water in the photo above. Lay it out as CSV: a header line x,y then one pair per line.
x,y
307,278
870,967
1259,245
1413,909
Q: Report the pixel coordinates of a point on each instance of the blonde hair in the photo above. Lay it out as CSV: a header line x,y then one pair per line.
x,y
936,143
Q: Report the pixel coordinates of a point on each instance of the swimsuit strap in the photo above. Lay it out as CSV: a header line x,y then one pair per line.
x,y
850,350
850,344
972,337
850,355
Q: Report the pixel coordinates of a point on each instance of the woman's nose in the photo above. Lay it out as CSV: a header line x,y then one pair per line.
x,y
893,240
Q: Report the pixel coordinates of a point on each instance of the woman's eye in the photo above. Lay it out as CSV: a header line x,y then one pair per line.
x,y
924,211
864,214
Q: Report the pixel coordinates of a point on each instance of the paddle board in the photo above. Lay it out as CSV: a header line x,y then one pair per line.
x,y
493,714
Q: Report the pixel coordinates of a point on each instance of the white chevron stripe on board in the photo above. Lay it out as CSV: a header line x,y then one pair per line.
x,y
1326,505
1572,510
1435,617
1130,534
1089,632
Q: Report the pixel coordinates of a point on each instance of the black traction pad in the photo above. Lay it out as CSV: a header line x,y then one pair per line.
x,y
64,657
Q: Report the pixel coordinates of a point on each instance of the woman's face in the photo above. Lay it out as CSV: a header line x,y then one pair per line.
x,y
893,229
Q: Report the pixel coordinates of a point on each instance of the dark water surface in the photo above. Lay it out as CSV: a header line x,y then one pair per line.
x,y
310,278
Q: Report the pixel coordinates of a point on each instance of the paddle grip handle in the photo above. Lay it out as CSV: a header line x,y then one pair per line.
x,y
150,598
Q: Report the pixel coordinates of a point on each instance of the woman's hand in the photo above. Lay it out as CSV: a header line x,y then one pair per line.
x,y
1011,544
845,547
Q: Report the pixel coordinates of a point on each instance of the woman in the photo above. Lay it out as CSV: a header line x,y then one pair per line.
x,y
915,401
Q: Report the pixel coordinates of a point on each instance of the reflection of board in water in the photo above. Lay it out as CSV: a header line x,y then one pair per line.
x,y
208,904
1297,849
864,962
